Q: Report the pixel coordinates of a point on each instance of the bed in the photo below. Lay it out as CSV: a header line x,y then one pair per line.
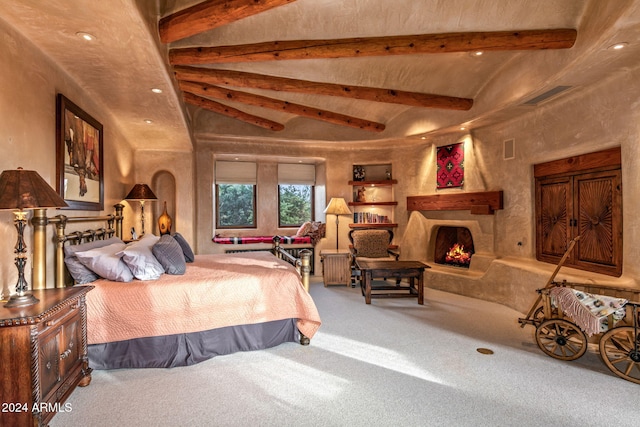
x,y
222,303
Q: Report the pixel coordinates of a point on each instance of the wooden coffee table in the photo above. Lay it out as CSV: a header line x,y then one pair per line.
x,y
392,270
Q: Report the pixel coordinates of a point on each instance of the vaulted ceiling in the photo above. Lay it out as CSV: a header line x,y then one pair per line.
x,y
327,70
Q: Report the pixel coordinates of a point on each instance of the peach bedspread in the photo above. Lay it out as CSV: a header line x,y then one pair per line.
x,y
216,291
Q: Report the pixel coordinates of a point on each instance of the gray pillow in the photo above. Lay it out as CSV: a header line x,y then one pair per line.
x,y
80,273
169,253
186,249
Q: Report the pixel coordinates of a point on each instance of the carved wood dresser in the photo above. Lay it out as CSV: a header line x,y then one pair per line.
x,y
43,355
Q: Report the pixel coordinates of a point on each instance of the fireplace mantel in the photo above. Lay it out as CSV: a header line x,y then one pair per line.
x,y
478,203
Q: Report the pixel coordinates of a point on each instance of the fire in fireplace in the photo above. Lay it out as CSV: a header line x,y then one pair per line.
x,y
457,255
454,246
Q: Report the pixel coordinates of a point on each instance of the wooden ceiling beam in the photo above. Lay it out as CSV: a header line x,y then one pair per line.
x,y
211,14
216,92
377,46
219,108
260,81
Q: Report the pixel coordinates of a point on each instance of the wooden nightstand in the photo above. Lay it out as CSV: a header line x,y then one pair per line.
x,y
43,349
336,267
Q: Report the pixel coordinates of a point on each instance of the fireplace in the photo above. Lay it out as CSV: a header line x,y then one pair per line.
x,y
453,246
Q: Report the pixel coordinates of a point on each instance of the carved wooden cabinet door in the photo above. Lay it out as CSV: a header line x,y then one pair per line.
x,y
588,205
598,221
554,206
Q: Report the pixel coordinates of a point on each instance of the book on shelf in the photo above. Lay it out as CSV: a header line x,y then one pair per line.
x,y
370,218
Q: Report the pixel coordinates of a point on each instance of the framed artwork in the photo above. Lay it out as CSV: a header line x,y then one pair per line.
x,y
450,159
79,163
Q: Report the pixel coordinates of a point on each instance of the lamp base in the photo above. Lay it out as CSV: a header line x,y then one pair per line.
x,y
21,300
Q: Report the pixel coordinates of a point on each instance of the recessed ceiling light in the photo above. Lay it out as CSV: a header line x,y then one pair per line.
x,y
148,121
463,128
156,90
476,53
618,46
86,36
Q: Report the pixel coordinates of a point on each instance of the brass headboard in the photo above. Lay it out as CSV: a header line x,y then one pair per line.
x,y
114,227
40,222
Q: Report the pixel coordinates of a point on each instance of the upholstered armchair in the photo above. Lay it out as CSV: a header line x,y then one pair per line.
x,y
370,244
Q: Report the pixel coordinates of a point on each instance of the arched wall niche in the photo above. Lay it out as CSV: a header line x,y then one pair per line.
x,y
164,186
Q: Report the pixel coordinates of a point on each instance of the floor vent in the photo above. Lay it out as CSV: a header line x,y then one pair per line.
x,y
547,95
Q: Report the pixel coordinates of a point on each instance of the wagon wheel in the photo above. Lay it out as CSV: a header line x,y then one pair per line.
x,y
561,339
620,353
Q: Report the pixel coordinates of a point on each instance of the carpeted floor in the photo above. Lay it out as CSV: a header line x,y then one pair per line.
x,y
391,363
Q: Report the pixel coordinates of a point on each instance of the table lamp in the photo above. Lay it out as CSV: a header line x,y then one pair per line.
x,y
337,206
141,193
22,190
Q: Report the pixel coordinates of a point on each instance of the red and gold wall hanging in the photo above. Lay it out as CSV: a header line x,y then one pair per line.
x,y
450,159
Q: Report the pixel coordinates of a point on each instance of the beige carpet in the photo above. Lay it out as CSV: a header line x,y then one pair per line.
x,y
391,363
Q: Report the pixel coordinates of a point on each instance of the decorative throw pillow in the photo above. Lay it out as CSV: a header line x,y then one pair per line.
x,y
186,249
140,260
106,262
304,229
80,273
169,254
371,243
316,231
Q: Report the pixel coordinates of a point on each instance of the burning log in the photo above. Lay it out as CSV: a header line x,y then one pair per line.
x,y
457,255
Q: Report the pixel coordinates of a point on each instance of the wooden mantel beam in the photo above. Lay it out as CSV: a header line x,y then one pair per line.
x,y
217,92
260,81
377,46
211,14
478,203
231,112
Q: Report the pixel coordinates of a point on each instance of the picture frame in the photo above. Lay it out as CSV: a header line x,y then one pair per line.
x,y
79,157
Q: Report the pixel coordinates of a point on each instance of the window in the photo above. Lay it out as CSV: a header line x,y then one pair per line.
x,y
295,194
295,204
235,194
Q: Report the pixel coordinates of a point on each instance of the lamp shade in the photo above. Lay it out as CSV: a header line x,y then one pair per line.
x,y
141,192
24,189
337,206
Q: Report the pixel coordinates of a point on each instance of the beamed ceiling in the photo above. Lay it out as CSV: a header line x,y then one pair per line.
x,y
326,70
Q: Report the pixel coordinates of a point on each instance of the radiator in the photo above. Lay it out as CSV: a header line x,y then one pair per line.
x,y
293,251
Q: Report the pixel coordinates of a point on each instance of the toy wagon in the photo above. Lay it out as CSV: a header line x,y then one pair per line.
x,y
566,313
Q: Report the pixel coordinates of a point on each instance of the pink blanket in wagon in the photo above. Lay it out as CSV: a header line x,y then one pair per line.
x,y
590,312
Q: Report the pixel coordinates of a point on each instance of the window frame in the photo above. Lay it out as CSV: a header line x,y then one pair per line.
x,y
312,192
255,209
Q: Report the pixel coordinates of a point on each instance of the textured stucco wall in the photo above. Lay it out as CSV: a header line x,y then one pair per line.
x,y
584,121
29,82
180,166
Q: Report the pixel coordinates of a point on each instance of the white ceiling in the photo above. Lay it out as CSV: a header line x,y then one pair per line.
x,y
128,59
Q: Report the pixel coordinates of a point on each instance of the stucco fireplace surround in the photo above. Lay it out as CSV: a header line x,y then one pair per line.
x,y
508,280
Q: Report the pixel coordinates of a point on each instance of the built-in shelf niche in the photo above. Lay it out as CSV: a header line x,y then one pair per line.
x,y
373,201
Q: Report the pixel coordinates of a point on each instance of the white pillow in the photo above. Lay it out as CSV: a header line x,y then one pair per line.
x,y
106,262
140,260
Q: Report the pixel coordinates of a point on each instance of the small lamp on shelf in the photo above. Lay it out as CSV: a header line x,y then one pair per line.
x,y
22,190
141,193
337,206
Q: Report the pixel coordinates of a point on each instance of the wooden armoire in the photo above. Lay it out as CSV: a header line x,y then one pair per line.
x,y
581,196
